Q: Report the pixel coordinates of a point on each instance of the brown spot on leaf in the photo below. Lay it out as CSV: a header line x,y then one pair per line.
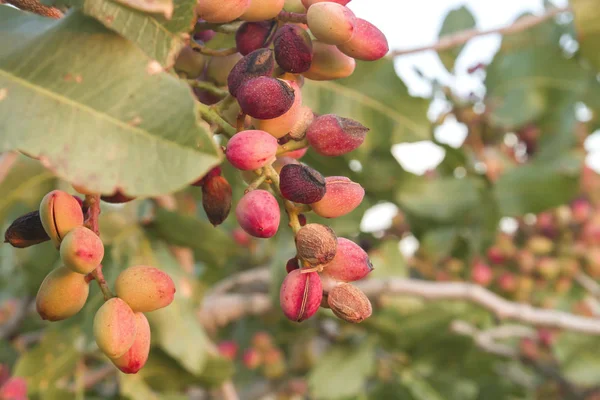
x,y
3,93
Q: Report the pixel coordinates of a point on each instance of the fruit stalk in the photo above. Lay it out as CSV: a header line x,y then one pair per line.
x,y
207,86
213,117
285,16
91,222
290,208
212,52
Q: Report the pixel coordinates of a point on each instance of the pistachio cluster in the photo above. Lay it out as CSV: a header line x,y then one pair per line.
x,y
261,111
121,330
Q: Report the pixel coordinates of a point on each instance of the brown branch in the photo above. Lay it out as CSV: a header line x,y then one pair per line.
x,y
589,284
220,308
10,327
7,160
460,38
285,16
36,7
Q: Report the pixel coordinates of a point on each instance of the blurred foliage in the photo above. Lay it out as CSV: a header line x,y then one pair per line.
x,y
523,158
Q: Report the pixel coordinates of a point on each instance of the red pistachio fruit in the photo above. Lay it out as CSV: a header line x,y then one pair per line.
x,y
341,197
300,295
251,149
350,263
368,43
258,213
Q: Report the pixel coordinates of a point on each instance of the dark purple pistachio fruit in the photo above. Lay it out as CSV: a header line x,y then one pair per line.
x,y
258,63
252,36
216,199
265,98
26,231
293,49
301,184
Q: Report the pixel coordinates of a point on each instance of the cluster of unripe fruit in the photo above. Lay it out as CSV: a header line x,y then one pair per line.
x,y
121,330
278,45
537,263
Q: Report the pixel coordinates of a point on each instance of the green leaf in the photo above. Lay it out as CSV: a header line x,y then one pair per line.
x,y
387,261
160,39
456,20
211,245
53,358
134,387
342,372
439,243
376,97
420,389
587,24
112,124
579,358
538,186
442,200
179,333
151,6
26,182
519,79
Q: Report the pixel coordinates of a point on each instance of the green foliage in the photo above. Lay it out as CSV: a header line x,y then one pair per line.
x,y
90,99
126,140
456,20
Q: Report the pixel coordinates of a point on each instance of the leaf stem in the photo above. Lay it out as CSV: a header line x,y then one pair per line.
x,y
207,86
213,52
292,145
228,28
210,114
291,209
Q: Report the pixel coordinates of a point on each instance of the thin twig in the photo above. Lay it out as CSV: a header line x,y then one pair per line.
x,y
460,38
211,116
231,307
36,7
213,52
7,160
589,284
207,86
285,16
10,327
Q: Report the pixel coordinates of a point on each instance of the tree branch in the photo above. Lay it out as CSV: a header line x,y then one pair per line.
x,y
220,308
36,7
460,38
7,160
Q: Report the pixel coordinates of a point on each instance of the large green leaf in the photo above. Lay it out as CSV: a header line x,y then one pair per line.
x,y
27,182
578,357
465,205
456,20
53,358
92,120
210,244
538,186
151,6
527,67
159,38
587,24
376,97
342,372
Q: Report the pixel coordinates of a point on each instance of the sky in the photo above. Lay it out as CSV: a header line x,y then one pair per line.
x,y
417,23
